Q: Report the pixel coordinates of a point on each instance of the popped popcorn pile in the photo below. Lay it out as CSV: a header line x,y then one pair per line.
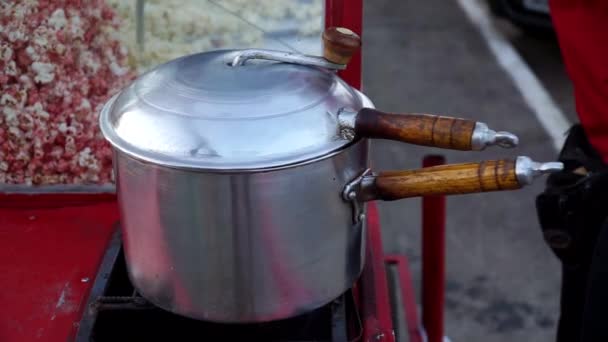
x,y
60,60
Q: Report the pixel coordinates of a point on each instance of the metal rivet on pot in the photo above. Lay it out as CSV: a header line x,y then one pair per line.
x,y
352,195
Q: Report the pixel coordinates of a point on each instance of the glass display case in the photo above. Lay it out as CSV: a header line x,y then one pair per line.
x,y
61,61
155,31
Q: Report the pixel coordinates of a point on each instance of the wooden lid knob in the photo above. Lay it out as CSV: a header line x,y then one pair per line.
x,y
340,44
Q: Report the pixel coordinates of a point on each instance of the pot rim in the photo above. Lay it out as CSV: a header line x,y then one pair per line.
x,y
272,168
118,145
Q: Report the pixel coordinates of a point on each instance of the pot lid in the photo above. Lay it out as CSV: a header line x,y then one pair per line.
x,y
202,112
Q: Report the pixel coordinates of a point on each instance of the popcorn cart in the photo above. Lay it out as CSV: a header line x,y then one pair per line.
x,y
180,170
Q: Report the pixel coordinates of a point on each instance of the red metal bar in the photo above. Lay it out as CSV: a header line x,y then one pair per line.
x,y
408,298
53,200
372,289
349,14
433,259
375,307
332,15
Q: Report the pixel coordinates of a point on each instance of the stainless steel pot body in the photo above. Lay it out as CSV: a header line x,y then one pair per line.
x,y
241,247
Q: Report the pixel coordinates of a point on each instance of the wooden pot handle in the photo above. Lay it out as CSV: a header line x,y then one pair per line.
x,y
340,44
455,179
430,130
490,175
419,129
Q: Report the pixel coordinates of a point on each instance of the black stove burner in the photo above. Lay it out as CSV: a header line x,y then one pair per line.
x,y
115,312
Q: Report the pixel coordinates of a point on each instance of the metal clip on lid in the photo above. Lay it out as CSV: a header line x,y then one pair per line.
x,y
351,194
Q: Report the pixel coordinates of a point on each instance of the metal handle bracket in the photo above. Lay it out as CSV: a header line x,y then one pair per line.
x,y
351,194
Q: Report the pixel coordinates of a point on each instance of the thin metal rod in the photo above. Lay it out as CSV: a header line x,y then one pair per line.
x,y
139,24
252,24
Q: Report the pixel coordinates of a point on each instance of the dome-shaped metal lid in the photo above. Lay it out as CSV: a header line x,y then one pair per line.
x,y
203,112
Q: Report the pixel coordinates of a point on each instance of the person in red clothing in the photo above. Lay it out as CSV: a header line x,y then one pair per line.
x,y
582,32
573,207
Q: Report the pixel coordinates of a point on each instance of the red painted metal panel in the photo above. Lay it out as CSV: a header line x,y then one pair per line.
x,y
45,254
433,259
375,308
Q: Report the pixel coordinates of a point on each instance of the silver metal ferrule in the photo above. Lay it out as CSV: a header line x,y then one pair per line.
x,y
483,136
287,57
527,170
346,123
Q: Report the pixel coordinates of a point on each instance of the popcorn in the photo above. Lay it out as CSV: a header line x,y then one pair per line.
x,y
60,61
58,20
44,72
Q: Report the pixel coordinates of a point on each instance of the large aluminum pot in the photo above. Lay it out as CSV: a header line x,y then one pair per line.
x,y
242,178
241,247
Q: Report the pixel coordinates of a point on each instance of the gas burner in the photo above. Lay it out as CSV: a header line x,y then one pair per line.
x,y
116,312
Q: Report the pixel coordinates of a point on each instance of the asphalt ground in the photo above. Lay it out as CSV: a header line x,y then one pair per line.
x,y
427,57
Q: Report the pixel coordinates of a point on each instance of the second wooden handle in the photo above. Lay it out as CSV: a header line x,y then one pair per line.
x,y
491,175
419,129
